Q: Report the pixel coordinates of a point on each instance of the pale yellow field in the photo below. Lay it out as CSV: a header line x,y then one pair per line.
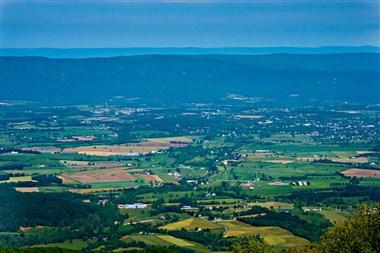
x,y
149,178
334,216
18,179
108,150
275,236
27,189
192,223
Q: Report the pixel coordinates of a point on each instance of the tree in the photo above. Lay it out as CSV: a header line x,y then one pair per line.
x,y
359,233
251,245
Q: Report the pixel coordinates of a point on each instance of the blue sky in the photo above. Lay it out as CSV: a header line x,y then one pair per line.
x,y
212,23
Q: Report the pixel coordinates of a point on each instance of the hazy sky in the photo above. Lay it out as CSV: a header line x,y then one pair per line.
x,y
212,23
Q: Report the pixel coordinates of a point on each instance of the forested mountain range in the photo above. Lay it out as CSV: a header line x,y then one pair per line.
x,y
182,78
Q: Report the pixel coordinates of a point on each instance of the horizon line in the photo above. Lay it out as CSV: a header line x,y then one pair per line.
x,y
196,47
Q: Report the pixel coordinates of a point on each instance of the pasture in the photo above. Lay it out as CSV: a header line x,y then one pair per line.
x,y
272,204
91,164
73,245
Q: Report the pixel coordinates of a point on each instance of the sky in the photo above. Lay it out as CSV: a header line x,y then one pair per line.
x,y
185,23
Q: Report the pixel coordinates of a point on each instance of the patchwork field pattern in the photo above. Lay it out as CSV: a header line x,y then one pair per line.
x,y
131,149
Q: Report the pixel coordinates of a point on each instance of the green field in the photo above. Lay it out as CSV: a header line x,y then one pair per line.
x,y
73,245
167,240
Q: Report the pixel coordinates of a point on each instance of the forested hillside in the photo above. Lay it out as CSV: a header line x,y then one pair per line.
x,y
164,78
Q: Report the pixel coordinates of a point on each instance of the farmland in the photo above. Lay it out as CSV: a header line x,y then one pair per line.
x,y
272,235
152,145
114,175
198,177
192,224
361,173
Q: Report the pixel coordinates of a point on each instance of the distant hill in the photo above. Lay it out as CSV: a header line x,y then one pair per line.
x,y
183,78
112,52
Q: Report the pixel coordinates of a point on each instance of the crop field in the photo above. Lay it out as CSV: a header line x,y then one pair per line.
x,y
167,240
272,235
27,189
191,224
149,178
18,179
131,149
98,176
362,173
111,150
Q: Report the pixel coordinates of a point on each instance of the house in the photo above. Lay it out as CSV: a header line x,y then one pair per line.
x,y
285,210
186,208
189,208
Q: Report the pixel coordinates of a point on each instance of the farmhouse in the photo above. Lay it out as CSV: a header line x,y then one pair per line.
x,y
175,175
189,208
247,185
285,210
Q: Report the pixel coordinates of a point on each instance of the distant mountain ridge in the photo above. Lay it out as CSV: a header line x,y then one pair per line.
x,y
111,52
192,78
